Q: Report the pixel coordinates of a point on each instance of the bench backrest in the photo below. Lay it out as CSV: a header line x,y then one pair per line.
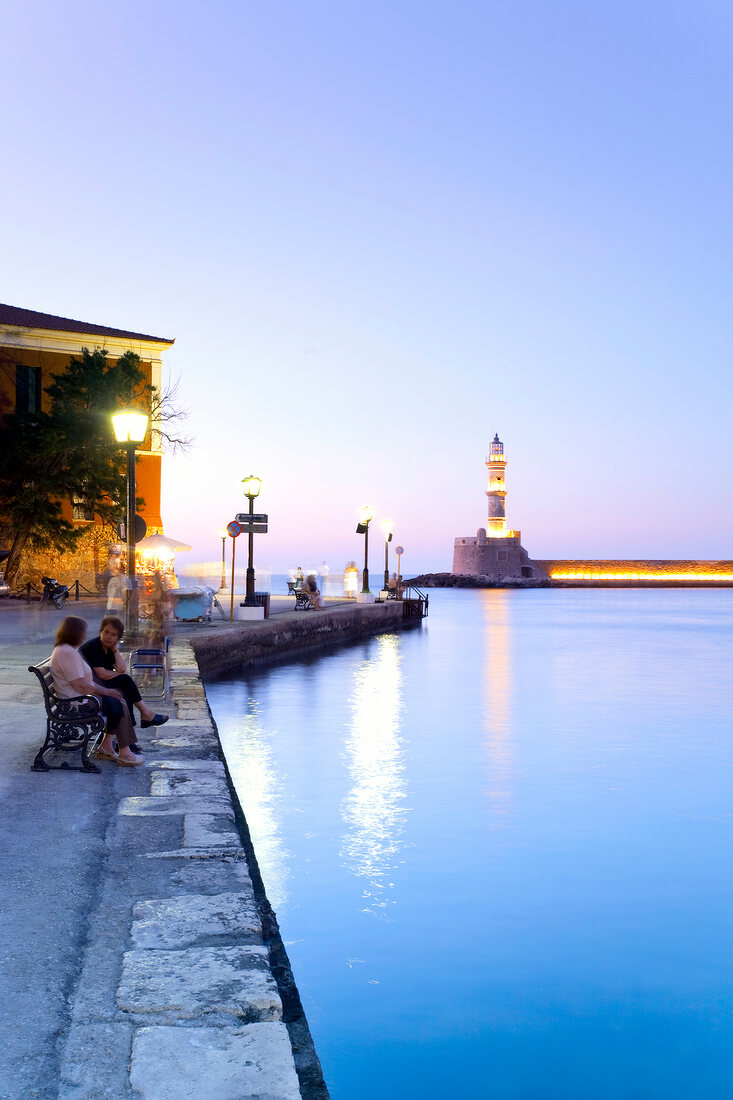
x,y
43,672
81,706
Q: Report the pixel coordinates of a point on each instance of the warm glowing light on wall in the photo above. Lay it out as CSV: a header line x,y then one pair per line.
x,y
641,576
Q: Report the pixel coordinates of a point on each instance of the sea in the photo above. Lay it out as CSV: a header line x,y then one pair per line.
x,y
499,844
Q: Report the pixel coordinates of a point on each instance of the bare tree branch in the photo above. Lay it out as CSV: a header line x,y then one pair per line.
x,y
167,417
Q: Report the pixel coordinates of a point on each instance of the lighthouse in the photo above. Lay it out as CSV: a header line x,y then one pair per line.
x,y
496,491
496,554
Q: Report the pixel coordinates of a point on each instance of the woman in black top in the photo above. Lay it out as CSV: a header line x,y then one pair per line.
x,y
109,669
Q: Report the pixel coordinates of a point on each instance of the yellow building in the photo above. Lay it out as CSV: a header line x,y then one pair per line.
x,y
33,347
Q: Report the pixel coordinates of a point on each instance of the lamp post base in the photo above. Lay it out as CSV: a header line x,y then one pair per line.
x,y
365,597
245,612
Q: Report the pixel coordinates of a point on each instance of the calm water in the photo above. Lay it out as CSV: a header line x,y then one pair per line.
x,y
499,845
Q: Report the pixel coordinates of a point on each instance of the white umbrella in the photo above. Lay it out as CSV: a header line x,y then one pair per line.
x,y
161,542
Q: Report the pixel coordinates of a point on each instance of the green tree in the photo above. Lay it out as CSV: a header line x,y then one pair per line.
x,y
68,453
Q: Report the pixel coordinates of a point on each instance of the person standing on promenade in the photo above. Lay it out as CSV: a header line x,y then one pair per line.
x,y
351,580
108,666
72,676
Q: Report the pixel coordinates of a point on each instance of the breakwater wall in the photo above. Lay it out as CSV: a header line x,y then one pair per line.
x,y
282,638
637,572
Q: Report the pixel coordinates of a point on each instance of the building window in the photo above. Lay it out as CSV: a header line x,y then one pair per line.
x,y
27,389
81,510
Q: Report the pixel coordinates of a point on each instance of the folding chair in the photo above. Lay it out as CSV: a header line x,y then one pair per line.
x,y
149,670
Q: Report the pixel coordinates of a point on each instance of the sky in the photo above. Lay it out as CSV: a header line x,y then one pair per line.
x,y
380,233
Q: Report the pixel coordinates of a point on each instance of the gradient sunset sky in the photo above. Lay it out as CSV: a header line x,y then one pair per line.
x,y
381,232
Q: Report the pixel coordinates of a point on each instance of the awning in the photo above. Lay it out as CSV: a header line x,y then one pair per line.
x,y
161,544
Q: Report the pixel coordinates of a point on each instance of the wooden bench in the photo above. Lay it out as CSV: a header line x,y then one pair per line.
x,y
71,724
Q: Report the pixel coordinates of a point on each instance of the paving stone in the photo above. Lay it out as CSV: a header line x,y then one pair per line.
x,y
187,984
176,743
209,831
211,876
178,782
95,1062
233,1064
145,805
184,920
190,765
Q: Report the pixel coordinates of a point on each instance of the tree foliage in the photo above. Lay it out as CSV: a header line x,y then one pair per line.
x,y
68,453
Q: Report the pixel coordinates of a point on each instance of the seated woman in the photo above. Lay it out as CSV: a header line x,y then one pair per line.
x,y
311,589
109,668
72,676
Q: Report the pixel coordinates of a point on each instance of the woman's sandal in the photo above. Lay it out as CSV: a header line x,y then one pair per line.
x,y
102,755
129,763
156,720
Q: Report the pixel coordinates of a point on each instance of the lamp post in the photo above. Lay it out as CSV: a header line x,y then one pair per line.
x,y
222,533
386,526
366,515
130,426
251,486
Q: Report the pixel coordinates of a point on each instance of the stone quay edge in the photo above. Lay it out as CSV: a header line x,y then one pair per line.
x,y
135,912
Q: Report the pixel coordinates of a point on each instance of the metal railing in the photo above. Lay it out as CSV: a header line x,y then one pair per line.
x,y
29,592
414,607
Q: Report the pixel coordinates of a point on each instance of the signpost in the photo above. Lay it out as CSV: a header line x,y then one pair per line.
x,y
233,529
399,551
255,524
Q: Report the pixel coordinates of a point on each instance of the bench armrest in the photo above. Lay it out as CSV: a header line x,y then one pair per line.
x,y
78,706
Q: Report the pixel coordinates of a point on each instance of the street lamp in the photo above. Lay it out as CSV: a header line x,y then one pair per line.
x,y
251,486
130,426
222,533
366,515
386,526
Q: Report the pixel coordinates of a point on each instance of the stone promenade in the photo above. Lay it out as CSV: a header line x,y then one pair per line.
x,y
134,959
139,955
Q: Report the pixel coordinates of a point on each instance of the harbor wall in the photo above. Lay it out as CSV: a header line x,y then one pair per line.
x,y
281,639
637,572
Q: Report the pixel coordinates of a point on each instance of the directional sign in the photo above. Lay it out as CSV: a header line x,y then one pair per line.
x,y
399,549
256,517
233,529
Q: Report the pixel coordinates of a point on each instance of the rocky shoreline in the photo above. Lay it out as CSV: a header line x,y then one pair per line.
x,y
459,580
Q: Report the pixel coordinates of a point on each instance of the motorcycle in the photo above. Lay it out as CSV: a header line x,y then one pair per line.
x,y
53,592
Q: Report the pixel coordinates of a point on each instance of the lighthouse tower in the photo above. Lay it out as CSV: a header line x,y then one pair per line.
x,y
496,491
496,554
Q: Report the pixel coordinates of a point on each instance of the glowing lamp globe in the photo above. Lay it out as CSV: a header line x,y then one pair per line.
x,y
130,426
251,486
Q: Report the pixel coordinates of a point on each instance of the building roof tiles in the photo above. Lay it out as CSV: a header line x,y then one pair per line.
x,y
30,318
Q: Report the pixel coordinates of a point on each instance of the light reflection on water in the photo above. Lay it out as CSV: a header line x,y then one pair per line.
x,y
532,795
497,678
250,754
373,810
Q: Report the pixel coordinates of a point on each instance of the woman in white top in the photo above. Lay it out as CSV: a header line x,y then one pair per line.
x,y
72,676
